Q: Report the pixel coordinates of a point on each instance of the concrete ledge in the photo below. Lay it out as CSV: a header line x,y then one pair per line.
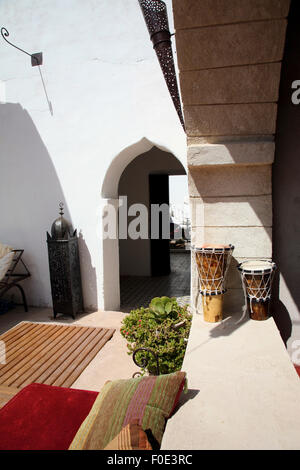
x,y
192,13
243,390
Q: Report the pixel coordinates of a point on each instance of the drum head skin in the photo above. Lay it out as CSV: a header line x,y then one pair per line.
x,y
211,247
214,246
257,266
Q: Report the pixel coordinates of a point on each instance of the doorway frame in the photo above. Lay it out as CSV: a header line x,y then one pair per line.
x,y
109,195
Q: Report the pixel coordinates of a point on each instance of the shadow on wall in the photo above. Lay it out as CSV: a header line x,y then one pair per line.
x,y
88,277
30,192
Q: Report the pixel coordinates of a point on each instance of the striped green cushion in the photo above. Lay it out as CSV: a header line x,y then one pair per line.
x,y
149,401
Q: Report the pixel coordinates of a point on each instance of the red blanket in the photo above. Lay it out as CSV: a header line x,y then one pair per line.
x,y
43,417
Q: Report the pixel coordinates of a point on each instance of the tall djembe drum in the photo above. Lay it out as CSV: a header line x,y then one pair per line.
x,y
212,263
257,277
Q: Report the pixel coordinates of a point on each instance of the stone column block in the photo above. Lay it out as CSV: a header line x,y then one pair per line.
x,y
232,44
246,84
230,153
233,119
253,242
195,13
223,181
243,211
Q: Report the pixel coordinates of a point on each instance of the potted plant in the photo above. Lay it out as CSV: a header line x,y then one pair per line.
x,y
164,328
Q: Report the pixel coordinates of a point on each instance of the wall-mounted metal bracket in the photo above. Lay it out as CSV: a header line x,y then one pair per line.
x,y
36,59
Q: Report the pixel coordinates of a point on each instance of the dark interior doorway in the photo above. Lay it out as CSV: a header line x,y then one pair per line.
x,y
160,248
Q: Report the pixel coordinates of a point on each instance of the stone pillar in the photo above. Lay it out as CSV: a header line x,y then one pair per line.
x,y
229,59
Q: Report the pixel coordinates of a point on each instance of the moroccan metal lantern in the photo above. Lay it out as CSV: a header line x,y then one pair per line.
x,y
64,267
156,18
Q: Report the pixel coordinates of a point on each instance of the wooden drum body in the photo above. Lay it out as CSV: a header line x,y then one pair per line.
x,y
257,277
212,263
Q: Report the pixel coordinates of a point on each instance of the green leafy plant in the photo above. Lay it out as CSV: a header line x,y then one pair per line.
x,y
161,308
162,327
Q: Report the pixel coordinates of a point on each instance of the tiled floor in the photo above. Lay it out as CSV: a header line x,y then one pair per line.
x,y
138,291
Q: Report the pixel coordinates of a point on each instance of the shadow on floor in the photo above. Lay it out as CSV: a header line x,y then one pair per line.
x,y
185,397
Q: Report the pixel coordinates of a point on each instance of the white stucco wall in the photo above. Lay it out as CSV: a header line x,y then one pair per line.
x,y
110,103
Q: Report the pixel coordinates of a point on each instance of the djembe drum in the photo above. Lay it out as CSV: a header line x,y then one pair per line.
x,y
212,263
257,277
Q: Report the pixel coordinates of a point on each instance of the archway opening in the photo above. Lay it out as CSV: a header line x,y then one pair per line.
x,y
154,254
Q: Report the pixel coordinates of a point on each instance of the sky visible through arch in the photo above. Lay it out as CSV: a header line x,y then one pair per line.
x,y
179,197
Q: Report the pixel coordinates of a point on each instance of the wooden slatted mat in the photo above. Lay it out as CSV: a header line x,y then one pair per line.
x,y
6,393
48,353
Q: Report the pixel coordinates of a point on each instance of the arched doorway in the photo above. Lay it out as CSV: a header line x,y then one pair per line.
x,y
148,266
159,161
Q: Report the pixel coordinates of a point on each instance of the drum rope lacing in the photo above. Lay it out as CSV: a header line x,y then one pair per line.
x,y
260,290
212,268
